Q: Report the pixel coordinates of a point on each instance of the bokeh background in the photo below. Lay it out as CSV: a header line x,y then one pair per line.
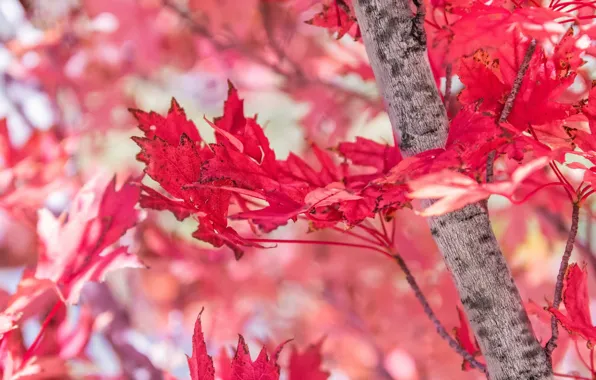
x,y
70,69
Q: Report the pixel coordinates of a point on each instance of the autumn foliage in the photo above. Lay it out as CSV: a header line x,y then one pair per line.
x,y
270,202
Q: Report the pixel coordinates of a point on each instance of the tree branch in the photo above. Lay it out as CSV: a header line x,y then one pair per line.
x,y
396,46
448,83
552,342
517,82
433,317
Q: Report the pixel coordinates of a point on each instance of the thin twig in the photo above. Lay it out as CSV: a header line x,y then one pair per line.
x,y
448,83
432,316
552,342
517,82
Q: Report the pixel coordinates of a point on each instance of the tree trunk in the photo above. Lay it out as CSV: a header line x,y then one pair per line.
x,y
396,45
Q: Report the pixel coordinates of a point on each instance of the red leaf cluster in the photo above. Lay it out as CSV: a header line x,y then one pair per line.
x,y
78,247
577,319
338,16
242,367
241,170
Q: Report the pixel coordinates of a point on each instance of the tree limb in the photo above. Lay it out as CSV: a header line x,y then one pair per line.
x,y
517,82
552,342
433,317
396,45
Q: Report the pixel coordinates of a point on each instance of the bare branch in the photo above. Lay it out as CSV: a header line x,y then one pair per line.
x,y
552,342
448,83
433,317
519,78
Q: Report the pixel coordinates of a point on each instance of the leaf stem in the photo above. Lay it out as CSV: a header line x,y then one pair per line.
x,y
354,234
42,329
320,242
552,342
432,316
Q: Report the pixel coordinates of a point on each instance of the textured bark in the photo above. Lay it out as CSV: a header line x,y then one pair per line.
x,y
396,45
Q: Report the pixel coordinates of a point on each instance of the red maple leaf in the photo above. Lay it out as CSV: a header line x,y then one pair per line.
x,y
589,109
307,365
482,25
200,364
263,368
577,319
79,249
338,16
365,152
455,190
242,367
465,338
169,128
241,173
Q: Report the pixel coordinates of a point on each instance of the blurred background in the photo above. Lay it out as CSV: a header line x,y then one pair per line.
x,y
69,71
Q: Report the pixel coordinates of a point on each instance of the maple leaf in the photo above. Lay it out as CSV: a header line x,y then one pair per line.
x,y
469,130
241,171
174,167
28,300
241,132
577,304
482,25
365,152
219,236
356,210
338,16
241,367
362,69
307,365
483,84
263,368
589,109
77,250
281,209
464,337
331,194
489,81
200,364
456,190
169,128
567,54
537,101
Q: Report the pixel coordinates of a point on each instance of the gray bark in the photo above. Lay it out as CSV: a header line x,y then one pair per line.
x,y
396,45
